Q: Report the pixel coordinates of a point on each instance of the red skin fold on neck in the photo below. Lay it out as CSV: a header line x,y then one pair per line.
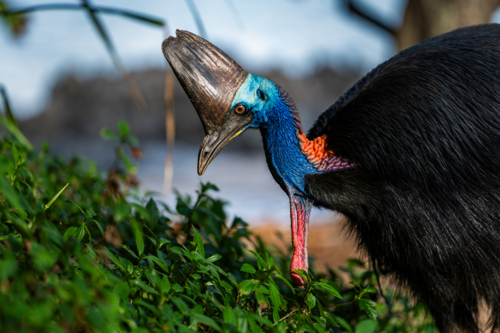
x,y
300,209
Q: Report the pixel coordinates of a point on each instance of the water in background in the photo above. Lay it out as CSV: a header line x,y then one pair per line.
x,y
244,181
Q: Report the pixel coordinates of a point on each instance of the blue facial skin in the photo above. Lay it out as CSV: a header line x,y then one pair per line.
x,y
277,125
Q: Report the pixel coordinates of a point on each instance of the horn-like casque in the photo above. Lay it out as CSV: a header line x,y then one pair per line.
x,y
208,75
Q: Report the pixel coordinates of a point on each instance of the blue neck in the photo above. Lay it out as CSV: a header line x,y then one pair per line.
x,y
285,159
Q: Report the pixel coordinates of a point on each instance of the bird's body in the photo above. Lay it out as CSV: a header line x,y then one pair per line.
x,y
424,199
410,155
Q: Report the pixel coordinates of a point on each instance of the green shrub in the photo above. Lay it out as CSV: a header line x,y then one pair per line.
x,y
85,251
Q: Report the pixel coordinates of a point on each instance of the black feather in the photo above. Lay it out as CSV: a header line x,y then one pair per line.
x,y
424,200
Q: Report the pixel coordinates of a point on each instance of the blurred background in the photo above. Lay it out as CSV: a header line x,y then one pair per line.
x,y
69,69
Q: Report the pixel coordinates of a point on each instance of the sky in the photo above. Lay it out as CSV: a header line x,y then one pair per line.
x,y
293,35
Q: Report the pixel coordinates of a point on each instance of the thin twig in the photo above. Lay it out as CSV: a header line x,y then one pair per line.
x,y
236,15
67,6
170,131
295,308
189,273
335,305
363,13
132,86
197,18
378,282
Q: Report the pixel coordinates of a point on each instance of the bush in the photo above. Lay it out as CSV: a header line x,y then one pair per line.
x,y
85,251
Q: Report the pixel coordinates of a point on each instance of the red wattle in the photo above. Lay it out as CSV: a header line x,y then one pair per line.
x,y
300,225
298,280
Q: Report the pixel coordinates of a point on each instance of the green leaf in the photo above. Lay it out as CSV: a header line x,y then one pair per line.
x,y
148,306
275,296
279,276
55,197
261,298
208,186
366,326
122,211
115,260
106,134
181,305
16,132
276,316
15,153
6,104
99,226
123,128
143,286
80,232
247,286
261,263
8,267
206,320
163,242
164,285
248,268
354,283
214,258
263,320
199,242
69,232
310,301
229,316
122,289
370,290
129,251
368,306
303,274
139,240
90,213
153,211
330,289
343,323
331,319
183,208
74,204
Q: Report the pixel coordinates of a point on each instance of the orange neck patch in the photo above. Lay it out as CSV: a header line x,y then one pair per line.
x,y
319,156
315,150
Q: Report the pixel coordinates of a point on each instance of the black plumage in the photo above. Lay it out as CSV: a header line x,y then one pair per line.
x,y
424,199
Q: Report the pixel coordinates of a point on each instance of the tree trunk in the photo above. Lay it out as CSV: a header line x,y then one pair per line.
x,y
428,18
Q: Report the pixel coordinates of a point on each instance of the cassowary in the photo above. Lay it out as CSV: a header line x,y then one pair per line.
x,y
410,156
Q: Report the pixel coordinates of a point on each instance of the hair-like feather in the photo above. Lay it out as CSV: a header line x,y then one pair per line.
x,y
423,129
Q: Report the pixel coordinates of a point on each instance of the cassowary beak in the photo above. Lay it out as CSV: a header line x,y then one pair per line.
x,y
213,143
211,79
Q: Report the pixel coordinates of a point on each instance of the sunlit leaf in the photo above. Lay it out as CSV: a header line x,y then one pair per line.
x,y
55,197
368,306
14,130
330,289
139,240
199,242
248,268
366,326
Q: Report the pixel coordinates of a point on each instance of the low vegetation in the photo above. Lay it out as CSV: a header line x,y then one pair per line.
x,y
82,250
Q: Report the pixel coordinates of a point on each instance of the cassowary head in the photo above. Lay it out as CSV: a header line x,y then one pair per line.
x,y
228,99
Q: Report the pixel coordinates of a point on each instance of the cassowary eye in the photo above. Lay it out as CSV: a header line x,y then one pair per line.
x,y
261,95
240,109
